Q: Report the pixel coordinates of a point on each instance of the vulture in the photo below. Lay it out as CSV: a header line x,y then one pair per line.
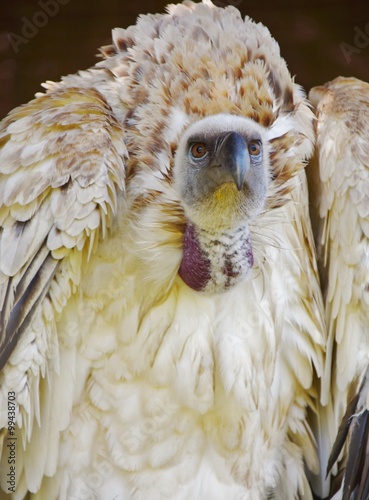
x,y
183,309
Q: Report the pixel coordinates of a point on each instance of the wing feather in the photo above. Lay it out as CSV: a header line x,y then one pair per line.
x,y
25,301
354,432
342,433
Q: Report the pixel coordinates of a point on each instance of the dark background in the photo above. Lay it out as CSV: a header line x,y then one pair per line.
x,y
310,33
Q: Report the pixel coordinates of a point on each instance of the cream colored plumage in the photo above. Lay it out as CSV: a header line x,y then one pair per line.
x,y
129,383
339,192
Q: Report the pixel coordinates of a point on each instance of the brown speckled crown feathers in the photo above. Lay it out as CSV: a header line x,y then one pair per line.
x,y
200,60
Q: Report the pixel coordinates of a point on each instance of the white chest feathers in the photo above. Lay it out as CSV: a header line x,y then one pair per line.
x,y
184,400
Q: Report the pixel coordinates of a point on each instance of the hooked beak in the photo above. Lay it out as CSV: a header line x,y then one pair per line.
x,y
233,159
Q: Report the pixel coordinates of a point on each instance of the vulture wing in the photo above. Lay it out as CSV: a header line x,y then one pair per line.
x,y
339,190
61,175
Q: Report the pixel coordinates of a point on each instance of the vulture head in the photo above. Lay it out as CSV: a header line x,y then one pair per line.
x,y
221,175
219,121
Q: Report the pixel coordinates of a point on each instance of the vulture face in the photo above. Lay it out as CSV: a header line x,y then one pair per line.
x,y
221,175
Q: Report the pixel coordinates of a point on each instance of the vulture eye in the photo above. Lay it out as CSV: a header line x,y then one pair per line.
x,y
198,150
254,148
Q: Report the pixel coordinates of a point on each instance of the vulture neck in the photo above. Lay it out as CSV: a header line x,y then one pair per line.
x,y
215,261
